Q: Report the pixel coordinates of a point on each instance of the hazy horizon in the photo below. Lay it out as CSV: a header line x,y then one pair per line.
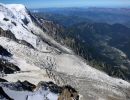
x,y
71,3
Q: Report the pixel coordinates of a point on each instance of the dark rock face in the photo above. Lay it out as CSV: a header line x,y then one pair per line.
x,y
53,87
4,52
7,67
68,93
25,43
6,19
25,21
14,23
65,92
51,28
26,85
3,80
19,86
7,34
3,95
10,35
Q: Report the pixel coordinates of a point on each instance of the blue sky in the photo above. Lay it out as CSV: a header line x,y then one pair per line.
x,y
70,3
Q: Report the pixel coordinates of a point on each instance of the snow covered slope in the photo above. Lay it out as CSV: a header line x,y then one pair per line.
x,y
41,58
20,24
41,94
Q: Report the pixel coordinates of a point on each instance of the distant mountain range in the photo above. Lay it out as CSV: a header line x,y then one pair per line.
x,y
104,15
